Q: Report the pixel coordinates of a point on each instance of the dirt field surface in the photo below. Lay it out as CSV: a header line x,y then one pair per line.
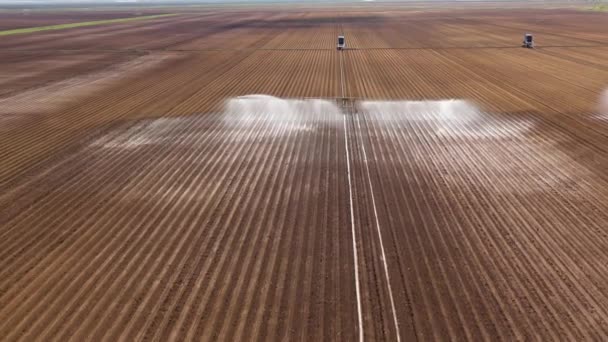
x,y
434,181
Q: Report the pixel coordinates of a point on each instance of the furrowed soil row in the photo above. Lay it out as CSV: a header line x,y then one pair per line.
x,y
414,196
528,219
256,285
237,225
77,222
159,219
131,309
384,158
105,172
234,220
94,113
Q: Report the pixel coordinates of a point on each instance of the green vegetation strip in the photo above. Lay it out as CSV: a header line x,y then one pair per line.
x,y
86,23
600,8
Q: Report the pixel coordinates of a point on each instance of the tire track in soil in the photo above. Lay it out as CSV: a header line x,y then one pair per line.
x,y
529,205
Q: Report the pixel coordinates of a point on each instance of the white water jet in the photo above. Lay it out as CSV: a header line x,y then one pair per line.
x,y
449,118
276,117
423,110
276,109
272,117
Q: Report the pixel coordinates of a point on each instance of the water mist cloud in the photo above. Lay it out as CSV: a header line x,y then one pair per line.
x,y
271,117
277,109
448,118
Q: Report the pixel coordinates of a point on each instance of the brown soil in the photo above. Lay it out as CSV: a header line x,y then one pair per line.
x,y
131,209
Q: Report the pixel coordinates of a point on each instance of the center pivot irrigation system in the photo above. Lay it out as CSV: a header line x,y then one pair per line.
x,y
347,102
341,42
527,43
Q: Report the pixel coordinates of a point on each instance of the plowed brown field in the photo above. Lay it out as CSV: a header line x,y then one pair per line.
x,y
136,205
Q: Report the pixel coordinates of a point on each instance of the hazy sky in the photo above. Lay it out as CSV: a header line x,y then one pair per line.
x,y
140,1
84,2
88,2
105,1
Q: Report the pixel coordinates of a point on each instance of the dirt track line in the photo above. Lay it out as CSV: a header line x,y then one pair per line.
x,y
414,215
354,236
437,274
378,230
436,224
342,75
454,238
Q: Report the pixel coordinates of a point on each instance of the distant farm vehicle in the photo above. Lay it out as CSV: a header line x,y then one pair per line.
x,y
528,41
341,43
